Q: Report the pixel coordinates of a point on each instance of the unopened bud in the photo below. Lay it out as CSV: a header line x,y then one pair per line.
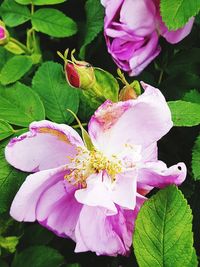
x,y
129,91
79,74
4,35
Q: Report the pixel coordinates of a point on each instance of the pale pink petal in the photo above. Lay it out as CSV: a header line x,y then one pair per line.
x,y
96,194
24,205
124,190
142,121
112,7
150,153
47,145
94,232
58,209
138,16
156,174
174,37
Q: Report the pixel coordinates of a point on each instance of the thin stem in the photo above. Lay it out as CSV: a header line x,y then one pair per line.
x,y
76,126
160,77
22,46
32,9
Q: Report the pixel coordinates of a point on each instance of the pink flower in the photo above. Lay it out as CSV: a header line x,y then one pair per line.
x,y
132,29
2,33
93,196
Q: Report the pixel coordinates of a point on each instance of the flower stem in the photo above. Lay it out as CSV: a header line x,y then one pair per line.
x,y
160,77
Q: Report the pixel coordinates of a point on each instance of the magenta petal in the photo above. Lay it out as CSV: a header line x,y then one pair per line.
x,y
47,145
24,205
156,174
115,124
174,37
58,210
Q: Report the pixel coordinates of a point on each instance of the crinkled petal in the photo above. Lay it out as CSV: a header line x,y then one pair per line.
x,y
24,205
108,235
47,145
58,209
96,194
100,236
156,174
142,121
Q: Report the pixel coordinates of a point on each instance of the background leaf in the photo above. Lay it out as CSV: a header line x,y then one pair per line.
x,y
39,2
56,94
40,256
5,130
192,96
176,14
196,159
94,23
16,111
10,181
53,22
14,14
14,69
163,232
184,113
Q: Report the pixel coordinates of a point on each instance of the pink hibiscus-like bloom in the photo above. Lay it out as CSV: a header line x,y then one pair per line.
x,y
93,196
132,29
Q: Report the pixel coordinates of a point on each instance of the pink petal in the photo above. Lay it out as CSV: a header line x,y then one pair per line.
x,y
174,37
100,236
96,194
47,145
142,121
156,174
24,205
58,209
139,16
124,190
150,153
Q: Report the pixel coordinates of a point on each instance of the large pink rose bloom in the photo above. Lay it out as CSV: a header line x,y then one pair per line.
x,y
93,196
132,29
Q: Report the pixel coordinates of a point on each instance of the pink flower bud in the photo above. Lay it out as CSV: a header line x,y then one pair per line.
x,y
79,74
4,35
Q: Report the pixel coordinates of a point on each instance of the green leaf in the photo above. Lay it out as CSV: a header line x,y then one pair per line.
x,y
53,22
196,159
40,2
192,96
94,23
9,243
57,96
184,113
14,14
176,14
5,130
40,256
15,110
4,56
10,180
14,69
3,263
163,231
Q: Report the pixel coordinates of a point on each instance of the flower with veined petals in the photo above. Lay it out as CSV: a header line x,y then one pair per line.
x,y
93,196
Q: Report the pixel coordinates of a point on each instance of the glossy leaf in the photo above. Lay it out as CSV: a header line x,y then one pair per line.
x,y
14,69
16,111
53,22
185,113
5,130
163,232
50,84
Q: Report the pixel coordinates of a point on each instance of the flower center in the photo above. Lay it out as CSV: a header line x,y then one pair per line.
x,y
90,162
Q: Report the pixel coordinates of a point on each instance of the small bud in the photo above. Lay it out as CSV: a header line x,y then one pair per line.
x,y
4,35
79,74
129,91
